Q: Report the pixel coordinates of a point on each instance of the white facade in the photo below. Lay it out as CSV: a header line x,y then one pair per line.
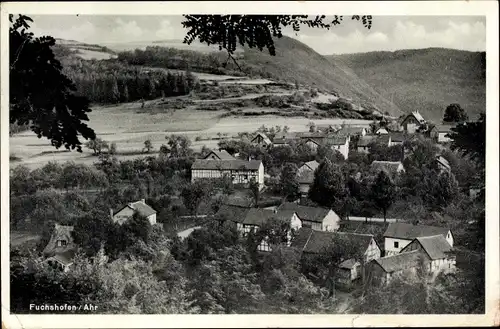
x,y
329,223
394,246
237,176
343,148
442,137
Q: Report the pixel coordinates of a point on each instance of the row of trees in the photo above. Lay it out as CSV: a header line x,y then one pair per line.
x,y
113,82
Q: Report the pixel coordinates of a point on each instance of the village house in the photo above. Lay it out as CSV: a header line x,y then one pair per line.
x,y
391,168
257,217
397,138
412,122
443,164
364,142
219,155
311,242
261,139
380,271
61,248
381,131
317,218
305,176
399,235
140,207
437,251
240,171
313,143
340,144
351,131
234,213
384,139
438,133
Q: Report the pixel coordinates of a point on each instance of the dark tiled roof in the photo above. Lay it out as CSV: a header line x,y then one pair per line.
x,y
312,241
142,208
399,261
336,140
313,165
444,128
315,134
348,264
223,155
258,216
200,164
436,246
366,140
397,136
313,214
409,231
383,139
232,213
65,257
350,130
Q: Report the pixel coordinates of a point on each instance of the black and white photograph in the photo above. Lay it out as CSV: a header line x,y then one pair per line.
x,y
171,163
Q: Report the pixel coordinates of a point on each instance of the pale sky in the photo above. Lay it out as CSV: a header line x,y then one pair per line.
x,y
387,32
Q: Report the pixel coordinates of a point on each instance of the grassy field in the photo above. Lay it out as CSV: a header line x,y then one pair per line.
x,y
129,126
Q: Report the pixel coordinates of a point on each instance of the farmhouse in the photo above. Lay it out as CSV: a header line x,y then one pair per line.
x,y
437,251
261,139
219,155
399,235
380,271
391,168
340,144
61,248
140,207
439,133
320,219
381,131
305,176
313,143
311,242
349,131
397,138
364,143
412,122
240,171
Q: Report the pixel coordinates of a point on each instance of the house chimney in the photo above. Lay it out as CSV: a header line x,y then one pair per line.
x,y
111,212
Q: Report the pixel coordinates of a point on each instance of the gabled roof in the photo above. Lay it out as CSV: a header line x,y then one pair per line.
x,y
399,261
140,207
366,140
313,165
264,137
232,213
312,241
61,232
389,167
381,131
234,164
417,117
409,232
312,214
348,264
444,128
435,246
258,216
65,258
308,134
222,155
383,139
336,140
350,130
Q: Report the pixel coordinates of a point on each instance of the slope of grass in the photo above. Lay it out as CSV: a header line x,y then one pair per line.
x,y
427,80
296,62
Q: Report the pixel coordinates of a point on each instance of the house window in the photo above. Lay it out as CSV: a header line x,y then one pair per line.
x,y
61,243
396,244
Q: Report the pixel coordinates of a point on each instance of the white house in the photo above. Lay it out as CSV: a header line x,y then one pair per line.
x,y
439,133
317,218
308,166
340,144
399,235
240,171
437,251
128,211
